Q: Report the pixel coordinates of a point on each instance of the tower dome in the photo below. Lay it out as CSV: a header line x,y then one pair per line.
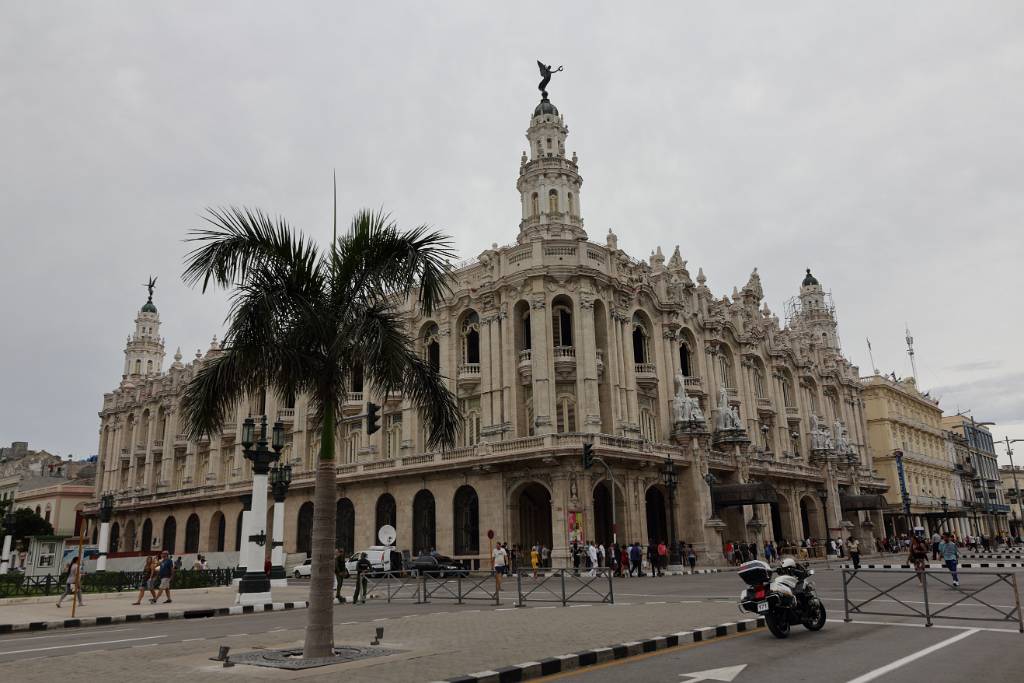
x,y
545,108
809,280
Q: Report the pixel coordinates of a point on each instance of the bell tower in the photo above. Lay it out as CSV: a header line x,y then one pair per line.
x,y
817,314
549,183
144,352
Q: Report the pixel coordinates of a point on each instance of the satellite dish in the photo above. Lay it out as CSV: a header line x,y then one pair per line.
x,y
387,535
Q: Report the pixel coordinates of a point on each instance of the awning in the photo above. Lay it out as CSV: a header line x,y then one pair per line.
x,y
729,495
870,501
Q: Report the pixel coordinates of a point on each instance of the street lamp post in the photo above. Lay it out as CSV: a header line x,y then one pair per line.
x,y
5,559
280,479
668,475
944,502
823,495
1016,488
106,512
254,587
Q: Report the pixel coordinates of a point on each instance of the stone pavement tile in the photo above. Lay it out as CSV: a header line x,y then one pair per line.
x,y
113,605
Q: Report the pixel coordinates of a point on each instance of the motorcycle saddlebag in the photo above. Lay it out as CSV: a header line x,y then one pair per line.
x,y
755,572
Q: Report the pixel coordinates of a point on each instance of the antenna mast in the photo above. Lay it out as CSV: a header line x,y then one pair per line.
x,y
910,352
871,355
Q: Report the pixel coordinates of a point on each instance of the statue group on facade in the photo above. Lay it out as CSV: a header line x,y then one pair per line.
x,y
728,418
686,412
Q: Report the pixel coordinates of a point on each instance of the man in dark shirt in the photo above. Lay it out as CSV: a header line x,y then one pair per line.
x,y
363,567
339,573
166,573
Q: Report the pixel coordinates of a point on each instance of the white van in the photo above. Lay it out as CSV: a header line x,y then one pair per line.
x,y
378,555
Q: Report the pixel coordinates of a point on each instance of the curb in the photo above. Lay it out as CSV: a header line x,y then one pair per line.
x,y
585,658
152,616
960,565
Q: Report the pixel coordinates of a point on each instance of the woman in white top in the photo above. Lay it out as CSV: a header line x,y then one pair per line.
x,y
71,586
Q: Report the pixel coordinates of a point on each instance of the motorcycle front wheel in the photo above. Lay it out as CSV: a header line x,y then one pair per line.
x,y
778,624
815,621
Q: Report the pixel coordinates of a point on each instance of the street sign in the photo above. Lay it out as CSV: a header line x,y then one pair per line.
x,y
726,673
490,533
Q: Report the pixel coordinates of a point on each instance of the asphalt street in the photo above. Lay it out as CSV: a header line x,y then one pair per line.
x,y
841,651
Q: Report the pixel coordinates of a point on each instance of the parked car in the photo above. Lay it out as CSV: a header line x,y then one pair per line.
x,y
304,569
379,557
438,566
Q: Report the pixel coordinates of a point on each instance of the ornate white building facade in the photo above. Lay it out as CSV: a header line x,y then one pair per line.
x,y
549,343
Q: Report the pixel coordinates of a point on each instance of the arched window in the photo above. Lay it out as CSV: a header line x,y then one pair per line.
x,y
431,347
684,360
385,513
170,534
192,534
561,325
725,369
648,425
218,528
345,525
149,367
424,538
466,527
566,418
759,388
138,367
471,338
471,421
553,201
524,322
393,435
304,537
535,200
788,395
357,378
641,352
352,443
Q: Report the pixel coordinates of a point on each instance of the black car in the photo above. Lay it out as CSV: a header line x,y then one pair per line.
x,y
438,566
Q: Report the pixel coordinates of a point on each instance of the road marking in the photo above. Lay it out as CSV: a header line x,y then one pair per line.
x,y
381,619
237,635
659,602
948,627
647,655
190,640
61,647
80,634
727,674
892,666
146,645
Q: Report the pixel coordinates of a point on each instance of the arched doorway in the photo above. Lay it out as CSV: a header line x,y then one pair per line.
x,y
532,515
345,525
603,511
780,513
809,518
657,517
115,537
192,534
147,535
386,514
129,535
170,532
424,528
238,531
304,533
466,522
215,536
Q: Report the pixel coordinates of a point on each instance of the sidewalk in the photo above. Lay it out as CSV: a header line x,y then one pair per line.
x,y
41,613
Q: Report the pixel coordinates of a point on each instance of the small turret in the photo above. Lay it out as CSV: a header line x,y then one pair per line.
x,y
144,351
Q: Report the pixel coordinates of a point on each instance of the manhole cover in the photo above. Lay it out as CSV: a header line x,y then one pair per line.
x,y
292,659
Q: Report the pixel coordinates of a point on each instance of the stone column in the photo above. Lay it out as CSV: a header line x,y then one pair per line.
x,y
541,357
586,367
487,367
632,406
277,572
509,370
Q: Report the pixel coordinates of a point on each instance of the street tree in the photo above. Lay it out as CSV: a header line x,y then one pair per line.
x,y
28,523
303,321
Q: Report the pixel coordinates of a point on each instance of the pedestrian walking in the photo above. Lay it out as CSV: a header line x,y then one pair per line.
x,y
166,573
363,568
545,556
340,573
662,558
500,559
918,557
592,558
534,560
71,583
936,540
853,545
624,563
147,582
951,555
635,557
691,557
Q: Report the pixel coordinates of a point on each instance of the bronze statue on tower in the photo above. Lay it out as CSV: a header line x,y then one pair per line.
x,y
546,73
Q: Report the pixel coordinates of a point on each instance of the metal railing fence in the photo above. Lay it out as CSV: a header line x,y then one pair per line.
x,y
565,586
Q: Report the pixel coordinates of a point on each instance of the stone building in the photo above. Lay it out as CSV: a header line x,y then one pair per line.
x,y
1012,477
988,509
549,342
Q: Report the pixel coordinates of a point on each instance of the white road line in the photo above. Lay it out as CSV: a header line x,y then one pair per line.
x,y
236,635
146,645
947,627
381,619
91,632
892,666
61,647
659,602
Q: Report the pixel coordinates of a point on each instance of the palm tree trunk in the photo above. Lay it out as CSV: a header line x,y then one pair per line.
x,y
320,615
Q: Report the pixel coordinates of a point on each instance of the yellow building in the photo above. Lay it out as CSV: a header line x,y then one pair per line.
x,y
905,432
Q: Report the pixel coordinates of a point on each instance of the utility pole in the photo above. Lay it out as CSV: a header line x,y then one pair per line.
x,y
910,352
1016,488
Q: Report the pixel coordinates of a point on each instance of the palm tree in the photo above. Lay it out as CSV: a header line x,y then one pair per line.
x,y
302,322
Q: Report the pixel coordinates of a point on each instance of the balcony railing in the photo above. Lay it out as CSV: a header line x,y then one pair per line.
x,y
693,383
469,372
354,397
565,352
286,415
525,356
645,369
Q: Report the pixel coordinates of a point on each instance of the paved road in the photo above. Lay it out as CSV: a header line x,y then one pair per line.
x,y
856,653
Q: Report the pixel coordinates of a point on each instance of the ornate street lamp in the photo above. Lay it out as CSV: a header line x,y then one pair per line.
x,y
106,511
280,479
944,503
823,495
668,475
254,587
711,480
5,559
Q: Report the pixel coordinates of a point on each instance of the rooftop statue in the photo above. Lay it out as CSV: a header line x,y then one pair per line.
x,y
546,73
150,286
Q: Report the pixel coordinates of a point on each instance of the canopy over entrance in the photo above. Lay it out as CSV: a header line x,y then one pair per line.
x,y
867,501
730,495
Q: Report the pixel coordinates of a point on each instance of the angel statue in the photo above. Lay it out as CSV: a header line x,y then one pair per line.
x,y
728,419
685,409
545,73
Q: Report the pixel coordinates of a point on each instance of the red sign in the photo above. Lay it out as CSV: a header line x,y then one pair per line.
x,y
490,533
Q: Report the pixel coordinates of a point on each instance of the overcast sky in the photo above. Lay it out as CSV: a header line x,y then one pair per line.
x,y
881,147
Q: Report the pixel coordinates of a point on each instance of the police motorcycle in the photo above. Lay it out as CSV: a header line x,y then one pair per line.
x,y
785,600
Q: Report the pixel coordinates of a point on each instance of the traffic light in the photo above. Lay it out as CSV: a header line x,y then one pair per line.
x,y
372,417
588,456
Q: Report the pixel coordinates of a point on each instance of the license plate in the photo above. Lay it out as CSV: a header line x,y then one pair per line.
x,y
762,607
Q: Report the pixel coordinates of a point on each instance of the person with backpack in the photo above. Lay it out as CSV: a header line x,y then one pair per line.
x,y
918,557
